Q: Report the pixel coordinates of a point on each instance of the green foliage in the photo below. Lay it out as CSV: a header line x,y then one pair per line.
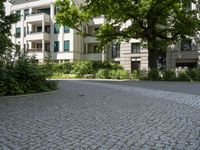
x,y
193,74
153,75
102,74
19,74
24,77
5,28
119,74
105,65
82,67
136,75
151,21
169,75
64,68
182,76
189,75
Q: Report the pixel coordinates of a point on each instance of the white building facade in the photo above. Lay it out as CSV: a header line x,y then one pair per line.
x,y
38,33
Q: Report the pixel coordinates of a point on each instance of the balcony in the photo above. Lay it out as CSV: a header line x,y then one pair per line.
x,y
36,54
97,21
90,40
38,17
93,56
185,54
32,36
35,50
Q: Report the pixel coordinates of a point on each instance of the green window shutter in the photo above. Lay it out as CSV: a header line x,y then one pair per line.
x,y
66,29
56,28
56,46
66,46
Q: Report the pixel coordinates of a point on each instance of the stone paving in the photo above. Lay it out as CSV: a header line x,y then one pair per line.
x,y
90,115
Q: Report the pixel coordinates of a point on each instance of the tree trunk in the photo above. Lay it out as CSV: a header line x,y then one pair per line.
x,y
153,55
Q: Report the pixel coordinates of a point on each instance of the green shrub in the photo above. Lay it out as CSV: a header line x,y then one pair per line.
x,y
193,74
135,75
24,76
64,68
97,65
103,74
82,67
153,75
169,75
183,76
119,74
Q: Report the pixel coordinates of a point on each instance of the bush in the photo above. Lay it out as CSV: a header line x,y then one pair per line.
x,y
24,76
169,75
154,75
183,76
97,65
136,75
64,68
119,74
82,67
193,74
103,74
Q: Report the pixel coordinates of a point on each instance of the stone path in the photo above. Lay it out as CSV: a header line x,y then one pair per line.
x,y
98,115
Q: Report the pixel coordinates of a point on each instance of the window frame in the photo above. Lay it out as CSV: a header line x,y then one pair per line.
x,y
66,30
58,46
55,28
67,50
136,49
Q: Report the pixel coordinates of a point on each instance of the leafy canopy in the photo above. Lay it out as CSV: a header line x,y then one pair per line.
x,y
149,18
5,28
157,22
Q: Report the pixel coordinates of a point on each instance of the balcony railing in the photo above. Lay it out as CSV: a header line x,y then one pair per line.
x,y
36,32
35,50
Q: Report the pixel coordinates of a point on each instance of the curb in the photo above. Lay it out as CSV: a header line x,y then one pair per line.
x,y
88,80
27,95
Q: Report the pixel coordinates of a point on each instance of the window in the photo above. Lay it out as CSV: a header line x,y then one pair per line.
x,y
44,10
56,9
66,46
189,6
39,28
26,12
56,46
96,50
115,50
186,45
66,29
18,32
135,48
47,29
56,28
18,12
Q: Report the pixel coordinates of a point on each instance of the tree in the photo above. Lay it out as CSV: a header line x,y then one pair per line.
x,y
5,30
157,22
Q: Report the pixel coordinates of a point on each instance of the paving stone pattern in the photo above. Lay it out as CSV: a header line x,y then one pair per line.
x,y
89,115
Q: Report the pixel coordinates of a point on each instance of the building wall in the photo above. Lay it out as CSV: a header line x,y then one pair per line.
x,y
126,57
175,55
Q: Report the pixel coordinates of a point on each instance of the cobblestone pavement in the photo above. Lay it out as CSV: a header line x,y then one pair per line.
x,y
96,115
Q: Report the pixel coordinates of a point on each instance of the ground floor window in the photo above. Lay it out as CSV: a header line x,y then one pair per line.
x,y
135,65
56,46
188,65
66,46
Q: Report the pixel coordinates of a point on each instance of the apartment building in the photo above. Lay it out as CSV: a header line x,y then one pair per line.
x,y
186,53
38,33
